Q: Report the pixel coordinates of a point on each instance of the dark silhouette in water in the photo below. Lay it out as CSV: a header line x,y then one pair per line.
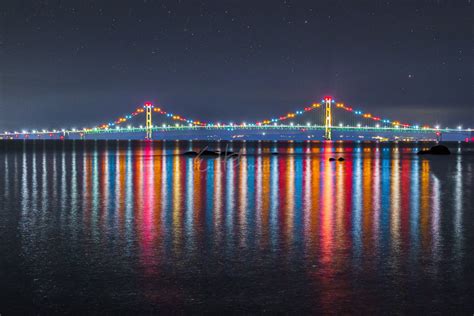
x,y
190,154
210,154
202,153
436,150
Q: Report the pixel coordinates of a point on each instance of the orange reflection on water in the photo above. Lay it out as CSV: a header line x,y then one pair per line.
x,y
289,197
425,203
263,205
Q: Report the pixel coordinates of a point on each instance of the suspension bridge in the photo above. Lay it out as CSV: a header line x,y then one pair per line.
x,y
326,120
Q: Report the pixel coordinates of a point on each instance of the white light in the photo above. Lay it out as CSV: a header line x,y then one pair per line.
x,y
377,125
73,129
308,124
291,123
164,125
141,126
23,132
358,125
437,126
459,127
340,124
129,127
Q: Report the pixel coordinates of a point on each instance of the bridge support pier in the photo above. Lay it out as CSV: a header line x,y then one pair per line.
x,y
328,119
149,123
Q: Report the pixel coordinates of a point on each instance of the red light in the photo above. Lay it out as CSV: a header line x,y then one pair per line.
x,y
328,98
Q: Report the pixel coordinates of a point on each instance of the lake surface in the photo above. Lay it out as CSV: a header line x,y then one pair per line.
x,y
137,227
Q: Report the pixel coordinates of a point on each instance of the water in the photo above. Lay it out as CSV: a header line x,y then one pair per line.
x,y
136,227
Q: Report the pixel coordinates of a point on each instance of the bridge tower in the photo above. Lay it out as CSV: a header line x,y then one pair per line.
x,y
149,123
328,119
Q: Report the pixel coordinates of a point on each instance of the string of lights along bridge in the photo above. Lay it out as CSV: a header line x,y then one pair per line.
x,y
327,120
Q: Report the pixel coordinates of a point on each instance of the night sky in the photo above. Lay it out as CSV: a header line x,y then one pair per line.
x,y
80,63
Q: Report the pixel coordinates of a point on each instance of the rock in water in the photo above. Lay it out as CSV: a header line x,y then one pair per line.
x,y
190,154
203,153
209,153
231,155
440,150
436,150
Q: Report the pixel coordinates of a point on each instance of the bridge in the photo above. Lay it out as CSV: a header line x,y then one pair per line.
x,y
327,120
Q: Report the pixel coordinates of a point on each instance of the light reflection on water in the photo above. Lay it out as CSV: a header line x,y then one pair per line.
x,y
141,227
